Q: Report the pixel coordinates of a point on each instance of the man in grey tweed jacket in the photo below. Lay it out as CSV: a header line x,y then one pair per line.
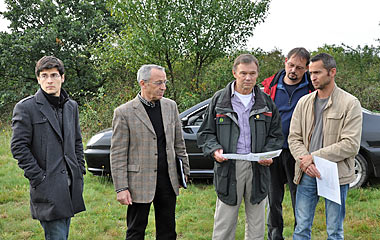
x,y
147,137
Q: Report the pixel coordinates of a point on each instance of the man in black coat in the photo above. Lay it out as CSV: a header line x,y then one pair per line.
x,y
47,143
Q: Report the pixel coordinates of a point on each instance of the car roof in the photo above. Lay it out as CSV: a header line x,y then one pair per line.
x,y
194,108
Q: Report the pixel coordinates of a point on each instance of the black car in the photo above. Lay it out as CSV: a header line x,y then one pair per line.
x,y
367,162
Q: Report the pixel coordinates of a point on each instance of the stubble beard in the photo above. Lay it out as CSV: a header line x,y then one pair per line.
x,y
323,85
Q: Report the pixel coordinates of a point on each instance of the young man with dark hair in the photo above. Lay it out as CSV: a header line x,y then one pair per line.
x,y
47,143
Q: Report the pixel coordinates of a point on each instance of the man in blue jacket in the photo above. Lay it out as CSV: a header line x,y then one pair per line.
x,y
286,87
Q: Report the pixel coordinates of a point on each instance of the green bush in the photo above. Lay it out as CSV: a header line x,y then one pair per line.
x,y
358,72
96,112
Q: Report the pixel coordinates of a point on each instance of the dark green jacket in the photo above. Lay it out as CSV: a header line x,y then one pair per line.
x,y
220,130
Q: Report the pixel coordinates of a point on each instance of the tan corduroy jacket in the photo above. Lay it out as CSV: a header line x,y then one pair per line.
x,y
342,127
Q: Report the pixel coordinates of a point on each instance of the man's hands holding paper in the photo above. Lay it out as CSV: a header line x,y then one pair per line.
x,y
307,165
266,162
218,155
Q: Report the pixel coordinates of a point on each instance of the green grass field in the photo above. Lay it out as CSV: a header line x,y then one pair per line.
x,y
105,217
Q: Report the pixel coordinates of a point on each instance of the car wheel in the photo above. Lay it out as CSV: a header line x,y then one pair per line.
x,y
361,172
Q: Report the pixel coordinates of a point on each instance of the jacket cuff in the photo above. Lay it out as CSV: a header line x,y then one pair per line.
x,y
121,189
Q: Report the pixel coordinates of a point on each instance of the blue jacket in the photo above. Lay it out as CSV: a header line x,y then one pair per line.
x,y
274,86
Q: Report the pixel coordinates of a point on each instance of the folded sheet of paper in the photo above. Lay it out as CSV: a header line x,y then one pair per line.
x,y
253,157
328,186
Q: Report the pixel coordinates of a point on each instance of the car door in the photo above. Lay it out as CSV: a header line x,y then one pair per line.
x,y
200,166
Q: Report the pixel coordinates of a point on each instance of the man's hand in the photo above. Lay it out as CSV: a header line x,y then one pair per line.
x,y
266,162
306,161
312,171
218,156
124,197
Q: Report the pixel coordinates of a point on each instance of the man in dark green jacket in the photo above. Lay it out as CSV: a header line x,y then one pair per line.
x,y
240,119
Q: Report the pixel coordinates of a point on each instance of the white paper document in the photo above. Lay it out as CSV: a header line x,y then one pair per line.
x,y
253,157
328,186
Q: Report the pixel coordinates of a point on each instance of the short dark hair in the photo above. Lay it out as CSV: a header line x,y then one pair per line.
x,y
301,53
245,59
328,60
49,62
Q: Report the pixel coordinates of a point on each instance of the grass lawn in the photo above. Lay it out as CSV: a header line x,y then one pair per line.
x,y
105,217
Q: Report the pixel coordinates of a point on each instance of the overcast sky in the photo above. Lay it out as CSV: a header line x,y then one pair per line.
x,y
311,24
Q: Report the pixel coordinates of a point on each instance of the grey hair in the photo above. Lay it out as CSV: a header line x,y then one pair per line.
x,y
327,60
143,73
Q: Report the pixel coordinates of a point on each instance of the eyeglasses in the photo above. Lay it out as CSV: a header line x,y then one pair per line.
x,y
298,68
159,83
53,76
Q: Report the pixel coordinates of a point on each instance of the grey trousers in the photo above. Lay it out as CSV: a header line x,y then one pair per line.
x,y
226,216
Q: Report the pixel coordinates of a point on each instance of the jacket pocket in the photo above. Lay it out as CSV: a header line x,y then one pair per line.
x,y
334,123
262,125
38,121
40,141
40,126
221,179
133,168
40,193
345,167
223,129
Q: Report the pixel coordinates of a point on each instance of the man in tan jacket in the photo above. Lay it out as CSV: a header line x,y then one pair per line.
x,y
147,137
326,123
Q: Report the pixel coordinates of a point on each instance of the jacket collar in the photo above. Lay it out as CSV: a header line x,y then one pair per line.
x,y
225,98
304,81
140,113
48,112
334,94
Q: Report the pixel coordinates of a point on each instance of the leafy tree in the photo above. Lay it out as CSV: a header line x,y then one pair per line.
x,y
185,36
66,29
358,72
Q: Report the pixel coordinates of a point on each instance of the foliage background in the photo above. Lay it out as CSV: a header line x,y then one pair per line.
x,y
103,43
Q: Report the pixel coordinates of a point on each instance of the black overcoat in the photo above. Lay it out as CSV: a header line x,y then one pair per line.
x,y
42,150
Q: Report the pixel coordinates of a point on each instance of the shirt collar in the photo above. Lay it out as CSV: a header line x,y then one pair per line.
x,y
146,102
233,90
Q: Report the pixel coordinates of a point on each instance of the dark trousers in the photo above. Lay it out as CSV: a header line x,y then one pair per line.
x,y
282,171
164,203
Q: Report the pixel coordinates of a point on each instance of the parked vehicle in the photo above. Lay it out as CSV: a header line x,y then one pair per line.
x,y
367,162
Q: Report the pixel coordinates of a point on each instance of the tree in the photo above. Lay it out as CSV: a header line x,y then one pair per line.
x,y
183,34
66,29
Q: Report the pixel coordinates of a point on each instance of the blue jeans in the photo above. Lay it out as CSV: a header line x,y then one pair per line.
x,y
306,202
56,229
